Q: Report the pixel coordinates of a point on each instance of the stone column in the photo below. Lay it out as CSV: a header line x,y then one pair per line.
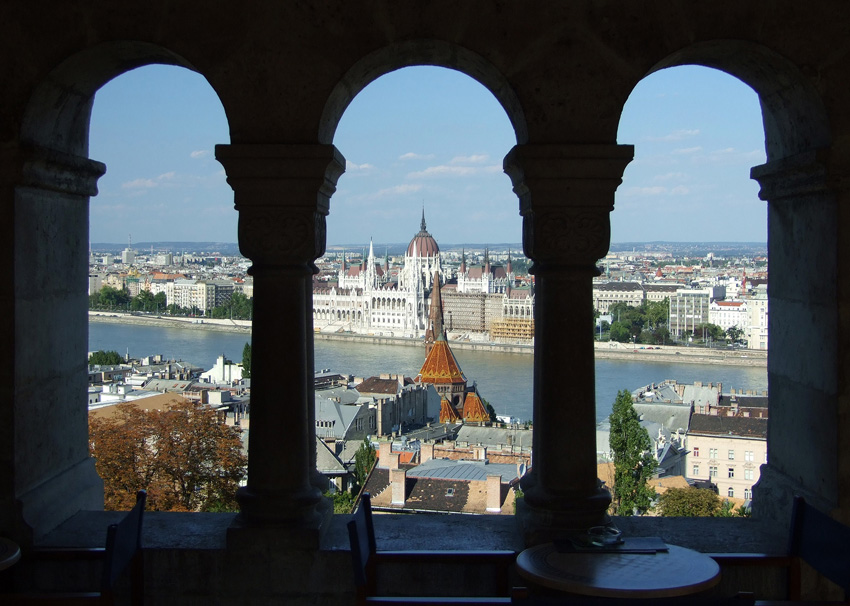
x,y
807,449
566,193
282,193
46,467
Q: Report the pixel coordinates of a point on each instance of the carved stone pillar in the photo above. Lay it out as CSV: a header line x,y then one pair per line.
x,y
44,454
566,193
282,193
808,298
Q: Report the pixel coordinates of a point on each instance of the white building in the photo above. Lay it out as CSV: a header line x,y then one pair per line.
x,y
757,310
224,371
727,314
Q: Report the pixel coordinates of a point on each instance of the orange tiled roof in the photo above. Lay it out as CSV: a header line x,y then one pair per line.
x,y
448,414
473,409
441,366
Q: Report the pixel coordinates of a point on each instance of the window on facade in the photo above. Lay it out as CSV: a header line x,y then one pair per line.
x,y
730,492
748,494
748,474
731,455
731,472
712,471
696,451
712,453
696,470
748,455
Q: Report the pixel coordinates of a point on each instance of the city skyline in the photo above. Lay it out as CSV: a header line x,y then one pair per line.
x,y
429,137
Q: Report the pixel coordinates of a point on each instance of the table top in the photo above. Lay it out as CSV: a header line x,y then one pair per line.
x,y
9,553
675,572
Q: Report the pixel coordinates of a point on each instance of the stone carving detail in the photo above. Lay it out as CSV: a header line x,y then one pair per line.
x,y
281,236
567,237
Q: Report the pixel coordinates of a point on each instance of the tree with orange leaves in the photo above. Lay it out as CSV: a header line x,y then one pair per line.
x,y
185,458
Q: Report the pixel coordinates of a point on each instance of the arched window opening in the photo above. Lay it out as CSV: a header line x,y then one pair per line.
x,y
687,267
155,276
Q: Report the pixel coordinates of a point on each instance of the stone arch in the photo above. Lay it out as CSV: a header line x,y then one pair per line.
x,y
420,52
58,113
793,114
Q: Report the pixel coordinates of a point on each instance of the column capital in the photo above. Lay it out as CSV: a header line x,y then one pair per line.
x,y
566,193
52,170
282,193
793,177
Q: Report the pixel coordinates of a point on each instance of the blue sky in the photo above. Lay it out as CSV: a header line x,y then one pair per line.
x,y
433,137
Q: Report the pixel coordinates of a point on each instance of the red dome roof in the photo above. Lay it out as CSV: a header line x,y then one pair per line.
x,y
425,244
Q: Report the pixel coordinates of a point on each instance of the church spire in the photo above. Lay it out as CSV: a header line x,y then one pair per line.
x,y
435,330
422,224
463,261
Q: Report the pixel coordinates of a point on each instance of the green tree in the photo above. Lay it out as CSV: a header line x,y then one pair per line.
x,y
105,358
364,460
246,361
689,502
619,332
734,334
633,461
109,298
343,501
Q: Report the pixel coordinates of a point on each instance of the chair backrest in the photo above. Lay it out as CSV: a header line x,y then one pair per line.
x,y
822,542
361,536
123,541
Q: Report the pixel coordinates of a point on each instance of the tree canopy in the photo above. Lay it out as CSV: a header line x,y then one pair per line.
x,y
647,322
633,460
364,460
246,361
183,456
105,358
688,502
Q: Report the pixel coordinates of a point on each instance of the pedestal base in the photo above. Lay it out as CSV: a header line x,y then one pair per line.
x,y
539,525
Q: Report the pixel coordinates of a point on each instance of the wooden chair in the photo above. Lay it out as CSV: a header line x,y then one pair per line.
x,y
821,542
816,539
122,550
366,558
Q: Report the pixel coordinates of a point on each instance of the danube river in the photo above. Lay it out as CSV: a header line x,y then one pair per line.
x,y
504,379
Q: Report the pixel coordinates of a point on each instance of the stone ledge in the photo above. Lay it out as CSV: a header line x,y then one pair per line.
x,y
204,531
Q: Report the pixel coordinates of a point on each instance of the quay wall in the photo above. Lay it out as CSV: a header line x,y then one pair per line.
x,y
613,351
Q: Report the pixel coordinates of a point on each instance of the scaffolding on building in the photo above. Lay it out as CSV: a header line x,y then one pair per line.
x,y
512,330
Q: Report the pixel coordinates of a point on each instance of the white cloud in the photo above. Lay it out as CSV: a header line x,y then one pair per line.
x,y
728,150
139,184
399,190
163,179
352,167
446,170
656,190
687,150
414,156
677,135
679,190
473,159
670,177
200,153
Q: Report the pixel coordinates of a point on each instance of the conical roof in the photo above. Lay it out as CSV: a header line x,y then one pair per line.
x,y
440,365
474,410
423,244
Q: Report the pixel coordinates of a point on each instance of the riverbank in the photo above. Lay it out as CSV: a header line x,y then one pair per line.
x,y
611,351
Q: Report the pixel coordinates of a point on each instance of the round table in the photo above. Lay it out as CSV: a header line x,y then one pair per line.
x,y
9,553
675,572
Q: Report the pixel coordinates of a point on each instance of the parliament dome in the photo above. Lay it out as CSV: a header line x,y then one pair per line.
x,y
423,242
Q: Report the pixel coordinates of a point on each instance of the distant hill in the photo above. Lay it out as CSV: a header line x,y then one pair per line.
x,y
694,249
227,249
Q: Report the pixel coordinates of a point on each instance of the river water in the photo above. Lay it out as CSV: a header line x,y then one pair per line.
x,y
504,379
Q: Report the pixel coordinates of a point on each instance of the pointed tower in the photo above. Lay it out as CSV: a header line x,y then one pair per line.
x,y
462,269
487,261
435,318
387,263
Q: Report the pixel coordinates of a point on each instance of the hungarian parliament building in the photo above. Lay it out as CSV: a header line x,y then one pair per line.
x,y
485,302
